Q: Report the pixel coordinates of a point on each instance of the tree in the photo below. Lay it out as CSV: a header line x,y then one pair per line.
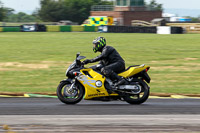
x,y
74,10
51,10
194,19
153,5
2,12
21,17
8,12
8,15
5,12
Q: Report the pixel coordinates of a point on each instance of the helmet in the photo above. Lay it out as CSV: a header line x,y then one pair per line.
x,y
99,44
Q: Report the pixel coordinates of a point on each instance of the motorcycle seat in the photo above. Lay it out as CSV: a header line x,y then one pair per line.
x,y
128,68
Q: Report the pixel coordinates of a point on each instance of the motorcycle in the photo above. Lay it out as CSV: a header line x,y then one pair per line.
x,y
90,84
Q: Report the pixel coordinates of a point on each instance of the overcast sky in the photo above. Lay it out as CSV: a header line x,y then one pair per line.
x,y
31,5
185,4
22,5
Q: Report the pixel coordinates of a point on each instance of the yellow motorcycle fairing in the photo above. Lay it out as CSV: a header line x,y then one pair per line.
x,y
89,79
133,70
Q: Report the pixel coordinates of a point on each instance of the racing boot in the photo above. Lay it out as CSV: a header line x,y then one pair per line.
x,y
120,80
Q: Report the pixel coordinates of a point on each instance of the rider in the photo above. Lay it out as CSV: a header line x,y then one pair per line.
x,y
111,62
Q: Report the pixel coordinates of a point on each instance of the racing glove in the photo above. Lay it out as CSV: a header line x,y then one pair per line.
x,y
87,61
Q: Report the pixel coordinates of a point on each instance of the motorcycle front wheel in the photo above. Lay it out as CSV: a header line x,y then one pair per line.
x,y
138,98
70,93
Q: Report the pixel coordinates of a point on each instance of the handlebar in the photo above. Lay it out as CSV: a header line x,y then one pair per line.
x,y
82,64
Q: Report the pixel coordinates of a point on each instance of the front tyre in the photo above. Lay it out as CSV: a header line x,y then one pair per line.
x,y
138,98
70,93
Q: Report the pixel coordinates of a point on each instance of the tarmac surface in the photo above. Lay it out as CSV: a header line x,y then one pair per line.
x,y
49,115
52,106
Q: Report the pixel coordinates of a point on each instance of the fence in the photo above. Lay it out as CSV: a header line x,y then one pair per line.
x,y
10,29
24,23
138,29
78,28
71,28
49,28
128,29
53,28
189,27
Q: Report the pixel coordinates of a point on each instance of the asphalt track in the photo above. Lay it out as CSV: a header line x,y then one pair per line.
x,y
52,106
38,115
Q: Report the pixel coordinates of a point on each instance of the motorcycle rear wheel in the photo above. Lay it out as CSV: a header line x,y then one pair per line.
x,y
138,98
70,97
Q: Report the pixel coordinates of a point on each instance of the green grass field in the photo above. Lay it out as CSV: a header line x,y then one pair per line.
x,y
36,62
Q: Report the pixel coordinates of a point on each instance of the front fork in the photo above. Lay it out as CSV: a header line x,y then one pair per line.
x,y
70,81
72,87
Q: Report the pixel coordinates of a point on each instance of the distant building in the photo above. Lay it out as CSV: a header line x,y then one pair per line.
x,y
124,11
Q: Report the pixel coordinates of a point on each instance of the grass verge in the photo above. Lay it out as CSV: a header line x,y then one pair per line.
x,y
36,62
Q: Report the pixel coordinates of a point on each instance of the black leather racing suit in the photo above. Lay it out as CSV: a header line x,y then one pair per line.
x,y
110,62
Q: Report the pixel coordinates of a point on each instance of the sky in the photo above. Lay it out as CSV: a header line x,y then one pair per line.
x,y
29,6
180,4
22,5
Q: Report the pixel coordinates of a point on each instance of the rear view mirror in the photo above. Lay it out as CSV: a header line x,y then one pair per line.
x,y
80,57
78,54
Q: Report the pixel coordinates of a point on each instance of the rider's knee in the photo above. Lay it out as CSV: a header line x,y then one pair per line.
x,y
106,71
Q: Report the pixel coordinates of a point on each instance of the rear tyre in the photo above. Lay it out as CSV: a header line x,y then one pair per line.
x,y
138,98
68,95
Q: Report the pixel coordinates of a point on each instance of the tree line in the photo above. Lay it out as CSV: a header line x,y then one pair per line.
x,y
53,11
9,15
56,10
74,10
